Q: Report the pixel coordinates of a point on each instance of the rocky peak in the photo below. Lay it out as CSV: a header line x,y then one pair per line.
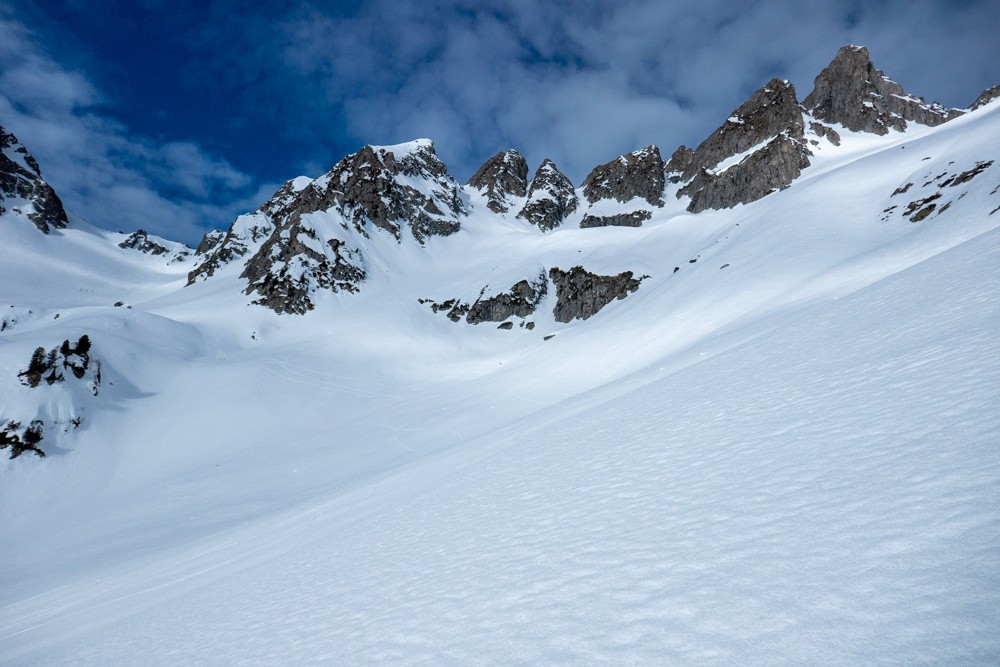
x,y
678,163
551,197
391,186
760,148
294,253
504,175
851,91
22,189
636,174
986,97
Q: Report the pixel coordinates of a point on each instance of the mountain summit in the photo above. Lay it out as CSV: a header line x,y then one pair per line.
x,y
851,91
22,190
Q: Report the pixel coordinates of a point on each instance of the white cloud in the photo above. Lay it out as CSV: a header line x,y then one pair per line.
x,y
104,173
583,81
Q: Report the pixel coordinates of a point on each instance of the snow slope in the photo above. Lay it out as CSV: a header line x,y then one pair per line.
x,y
790,459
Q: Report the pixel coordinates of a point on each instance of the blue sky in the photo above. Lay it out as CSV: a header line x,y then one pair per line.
x,y
176,116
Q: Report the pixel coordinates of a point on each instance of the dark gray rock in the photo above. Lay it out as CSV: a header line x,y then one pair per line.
x,y
521,300
505,175
388,188
633,219
986,97
374,187
288,269
245,234
852,92
551,198
22,188
210,241
825,132
140,241
770,121
580,293
678,164
637,174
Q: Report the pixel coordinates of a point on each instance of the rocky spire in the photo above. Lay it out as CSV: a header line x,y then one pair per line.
x,y
986,97
504,175
293,254
22,189
759,149
636,174
852,92
391,186
551,198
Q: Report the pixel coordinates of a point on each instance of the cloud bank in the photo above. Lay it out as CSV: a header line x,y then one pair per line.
x,y
304,82
104,173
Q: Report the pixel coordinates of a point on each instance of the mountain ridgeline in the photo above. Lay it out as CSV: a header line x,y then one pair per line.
x,y
319,235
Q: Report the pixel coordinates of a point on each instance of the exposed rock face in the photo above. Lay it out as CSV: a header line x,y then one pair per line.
x,y
505,175
304,238
245,234
209,241
986,97
633,219
521,300
760,148
388,187
140,241
580,294
678,163
551,198
22,189
637,174
852,92
290,267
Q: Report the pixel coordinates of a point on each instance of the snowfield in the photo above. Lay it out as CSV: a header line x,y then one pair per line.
x,y
787,451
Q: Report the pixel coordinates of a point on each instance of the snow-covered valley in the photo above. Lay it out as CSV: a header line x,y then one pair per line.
x,y
782,446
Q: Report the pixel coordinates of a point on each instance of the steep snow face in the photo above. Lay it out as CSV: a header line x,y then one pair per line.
x,y
22,190
782,439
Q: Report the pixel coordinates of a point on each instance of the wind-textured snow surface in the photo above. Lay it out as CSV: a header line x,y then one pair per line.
x,y
792,459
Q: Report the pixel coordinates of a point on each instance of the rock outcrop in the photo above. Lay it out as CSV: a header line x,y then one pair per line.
x,y
521,301
580,293
22,190
503,177
551,198
210,241
760,148
635,180
633,219
307,236
292,265
634,175
678,164
139,240
390,187
986,97
852,92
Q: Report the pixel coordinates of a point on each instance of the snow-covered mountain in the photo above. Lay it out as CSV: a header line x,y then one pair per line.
x,y
738,405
